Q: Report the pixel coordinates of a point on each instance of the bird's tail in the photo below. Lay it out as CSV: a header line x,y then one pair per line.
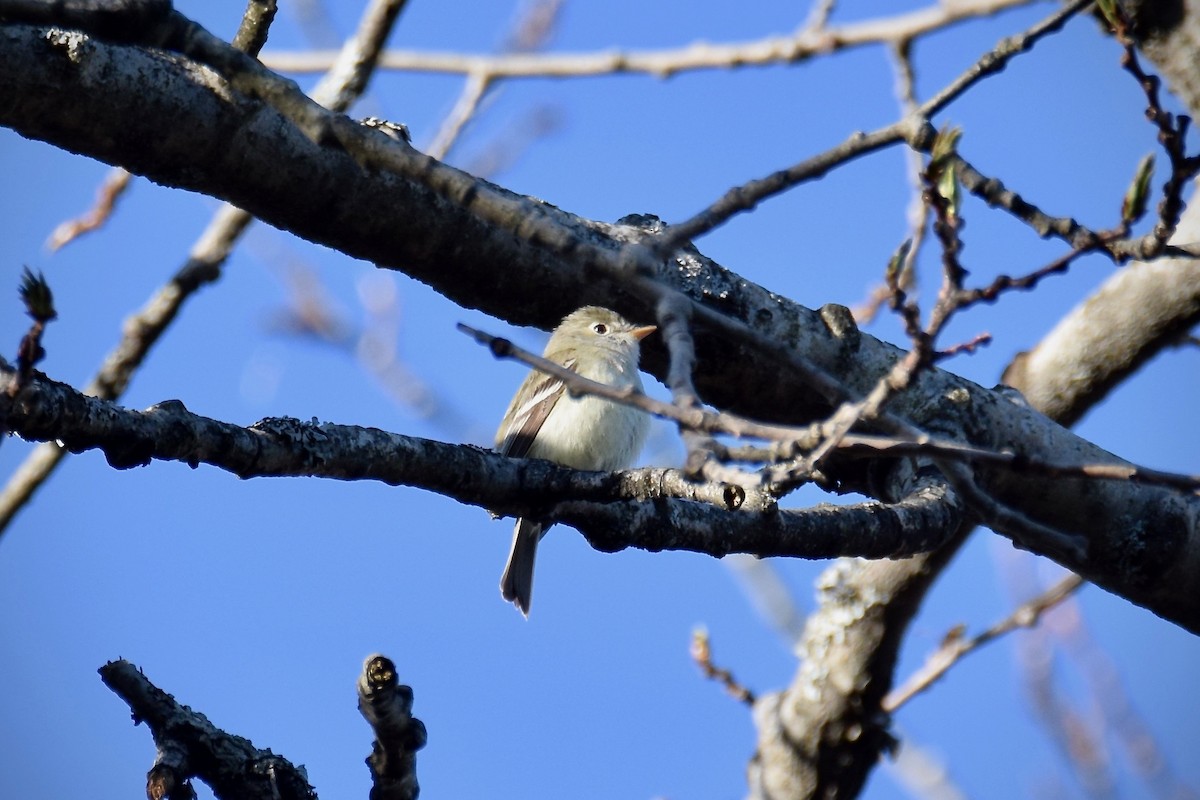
x,y
516,584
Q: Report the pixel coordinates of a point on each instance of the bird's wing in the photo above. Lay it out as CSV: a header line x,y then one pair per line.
x,y
528,419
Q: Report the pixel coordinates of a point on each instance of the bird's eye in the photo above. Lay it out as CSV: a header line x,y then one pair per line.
x,y
599,328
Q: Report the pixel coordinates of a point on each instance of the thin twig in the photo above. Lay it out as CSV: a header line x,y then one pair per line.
x,y
465,107
531,31
112,189
918,212
818,15
1172,132
674,318
968,347
701,651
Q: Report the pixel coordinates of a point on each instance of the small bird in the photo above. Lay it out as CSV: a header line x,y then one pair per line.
x,y
586,432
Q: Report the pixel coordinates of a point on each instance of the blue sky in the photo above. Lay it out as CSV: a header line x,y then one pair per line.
x,y
256,601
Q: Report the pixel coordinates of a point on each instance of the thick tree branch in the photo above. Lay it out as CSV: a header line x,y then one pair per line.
x,y
822,735
189,746
649,509
652,509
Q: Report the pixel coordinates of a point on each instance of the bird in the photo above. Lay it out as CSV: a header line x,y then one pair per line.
x,y
585,432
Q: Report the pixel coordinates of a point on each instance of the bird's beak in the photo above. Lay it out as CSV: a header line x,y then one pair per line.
x,y
643,332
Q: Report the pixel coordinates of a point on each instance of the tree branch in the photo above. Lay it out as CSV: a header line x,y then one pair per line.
x,y
386,705
954,647
652,509
807,42
189,746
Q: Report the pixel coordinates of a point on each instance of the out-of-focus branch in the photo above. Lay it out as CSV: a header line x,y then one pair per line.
x,y
768,593
374,343
807,42
530,32
921,772
818,15
701,651
112,189
955,646
464,109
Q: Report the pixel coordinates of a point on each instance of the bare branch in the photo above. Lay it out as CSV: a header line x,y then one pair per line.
x,y
806,43
256,26
769,594
386,705
112,189
1139,311
190,746
464,109
701,651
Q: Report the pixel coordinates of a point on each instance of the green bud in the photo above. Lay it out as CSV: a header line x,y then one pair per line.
x,y
1134,205
941,168
947,187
